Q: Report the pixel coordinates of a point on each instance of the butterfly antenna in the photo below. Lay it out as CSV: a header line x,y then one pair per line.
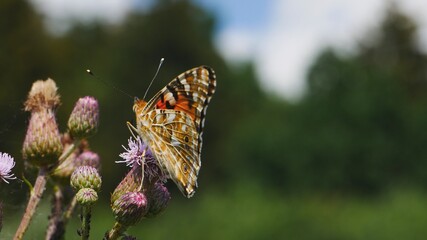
x,y
155,75
108,83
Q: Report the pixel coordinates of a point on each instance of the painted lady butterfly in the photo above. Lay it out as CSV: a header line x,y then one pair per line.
x,y
171,124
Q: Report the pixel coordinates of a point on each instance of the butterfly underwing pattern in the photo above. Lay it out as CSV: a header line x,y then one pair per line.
x,y
171,124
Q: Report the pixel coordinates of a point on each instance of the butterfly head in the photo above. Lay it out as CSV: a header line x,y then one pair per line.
x,y
138,105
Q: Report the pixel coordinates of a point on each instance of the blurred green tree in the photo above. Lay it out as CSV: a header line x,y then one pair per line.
x,y
24,57
359,127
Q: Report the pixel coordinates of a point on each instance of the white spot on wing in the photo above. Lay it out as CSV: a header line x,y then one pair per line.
x,y
187,87
158,118
169,97
175,142
171,117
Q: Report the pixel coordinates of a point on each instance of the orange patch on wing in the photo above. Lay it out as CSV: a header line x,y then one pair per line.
x,y
182,104
161,105
185,107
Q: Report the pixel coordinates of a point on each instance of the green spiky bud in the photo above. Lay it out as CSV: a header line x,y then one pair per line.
x,y
84,119
130,208
42,145
86,196
86,177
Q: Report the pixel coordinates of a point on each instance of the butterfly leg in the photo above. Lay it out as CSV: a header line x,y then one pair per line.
x,y
132,129
142,169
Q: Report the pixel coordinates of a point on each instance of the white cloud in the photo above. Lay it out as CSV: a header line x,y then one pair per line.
x,y
60,12
416,9
282,49
299,29
236,45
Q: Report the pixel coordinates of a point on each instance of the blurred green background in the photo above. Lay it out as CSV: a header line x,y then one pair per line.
x,y
346,161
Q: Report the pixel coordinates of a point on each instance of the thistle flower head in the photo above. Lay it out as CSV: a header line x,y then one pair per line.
x,y
134,152
158,199
6,165
138,153
42,145
130,208
86,196
86,177
131,183
43,94
84,118
88,158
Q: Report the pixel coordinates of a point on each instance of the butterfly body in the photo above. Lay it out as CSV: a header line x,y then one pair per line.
x,y
171,124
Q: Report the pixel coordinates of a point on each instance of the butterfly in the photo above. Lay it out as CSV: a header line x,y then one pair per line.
x,y
171,124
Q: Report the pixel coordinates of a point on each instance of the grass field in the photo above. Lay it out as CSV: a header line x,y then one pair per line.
x,y
255,213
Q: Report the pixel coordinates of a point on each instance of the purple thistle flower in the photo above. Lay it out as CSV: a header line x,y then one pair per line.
x,y
6,165
138,153
133,154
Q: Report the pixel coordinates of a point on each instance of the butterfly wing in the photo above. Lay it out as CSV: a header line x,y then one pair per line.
x,y
171,123
173,140
189,92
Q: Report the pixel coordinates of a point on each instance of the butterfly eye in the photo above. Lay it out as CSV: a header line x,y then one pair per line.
x,y
186,139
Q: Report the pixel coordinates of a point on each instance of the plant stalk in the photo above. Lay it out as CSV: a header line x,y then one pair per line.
x,y
86,215
117,231
35,196
56,227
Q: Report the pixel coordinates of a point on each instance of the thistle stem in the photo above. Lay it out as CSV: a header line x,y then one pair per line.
x,y
67,152
56,227
117,231
69,210
35,196
86,215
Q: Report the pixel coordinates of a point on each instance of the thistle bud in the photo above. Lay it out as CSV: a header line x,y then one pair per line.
x,y
130,208
63,172
88,158
86,177
84,119
131,183
86,196
158,199
42,144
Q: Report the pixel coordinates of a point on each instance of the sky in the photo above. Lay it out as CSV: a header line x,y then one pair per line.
x,y
281,37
